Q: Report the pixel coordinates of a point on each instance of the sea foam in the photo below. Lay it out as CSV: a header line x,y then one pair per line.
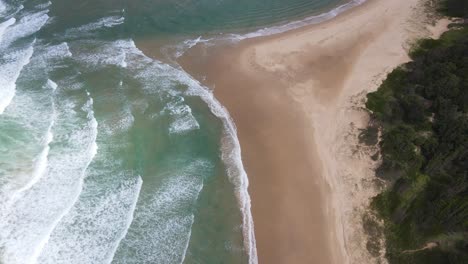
x,y
5,25
51,84
24,27
40,161
25,145
300,23
9,73
26,228
2,7
11,31
182,118
88,30
231,152
94,227
160,231
231,155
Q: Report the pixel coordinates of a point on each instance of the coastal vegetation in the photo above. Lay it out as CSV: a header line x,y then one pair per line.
x,y
422,112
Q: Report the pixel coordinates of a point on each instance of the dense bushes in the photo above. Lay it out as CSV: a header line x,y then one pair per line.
x,y
422,108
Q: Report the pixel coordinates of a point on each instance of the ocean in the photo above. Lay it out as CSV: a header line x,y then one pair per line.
x,y
108,155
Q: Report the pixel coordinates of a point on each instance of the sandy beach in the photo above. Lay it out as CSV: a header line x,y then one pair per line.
x,y
296,99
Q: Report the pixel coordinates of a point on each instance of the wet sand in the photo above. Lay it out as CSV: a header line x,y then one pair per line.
x,y
289,96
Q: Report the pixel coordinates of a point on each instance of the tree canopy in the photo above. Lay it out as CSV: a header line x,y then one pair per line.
x,y
422,108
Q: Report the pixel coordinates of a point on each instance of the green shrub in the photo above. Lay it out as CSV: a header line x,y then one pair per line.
x,y
422,108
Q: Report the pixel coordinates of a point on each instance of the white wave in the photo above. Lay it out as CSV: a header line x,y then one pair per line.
x,y
231,152
40,161
231,155
44,5
59,51
8,11
26,228
130,218
5,25
94,227
124,122
91,153
88,29
10,31
2,7
106,22
24,153
175,52
183,124
101,53
118,60
123,63
160,231
51,84
46,59
25,27
149,73
9,73
183,120
188,44
298,24
110,21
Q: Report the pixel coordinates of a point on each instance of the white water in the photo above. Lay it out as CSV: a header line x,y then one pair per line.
x,y
175,52
5,25
130,218
9,73
94,227
14,189
2,7
300,23
87,30
52,84
67,240
44,6
231,155
231,147
231,151
24,153
40,161
56,52
15,59
160,231
27,226
24,27
173,234
183,120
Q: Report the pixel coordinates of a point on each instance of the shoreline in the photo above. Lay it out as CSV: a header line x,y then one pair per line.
x,y
282,91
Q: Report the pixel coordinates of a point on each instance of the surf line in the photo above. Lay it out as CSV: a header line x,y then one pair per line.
x,y
130,218
92,149
41,160
231,156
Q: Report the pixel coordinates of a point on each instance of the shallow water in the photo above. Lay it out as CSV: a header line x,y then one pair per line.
x,y
109,156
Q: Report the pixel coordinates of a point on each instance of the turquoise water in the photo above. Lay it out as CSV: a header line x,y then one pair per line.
x,y
109,156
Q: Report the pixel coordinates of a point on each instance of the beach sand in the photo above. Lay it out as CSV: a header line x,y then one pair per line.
x,y
296,99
